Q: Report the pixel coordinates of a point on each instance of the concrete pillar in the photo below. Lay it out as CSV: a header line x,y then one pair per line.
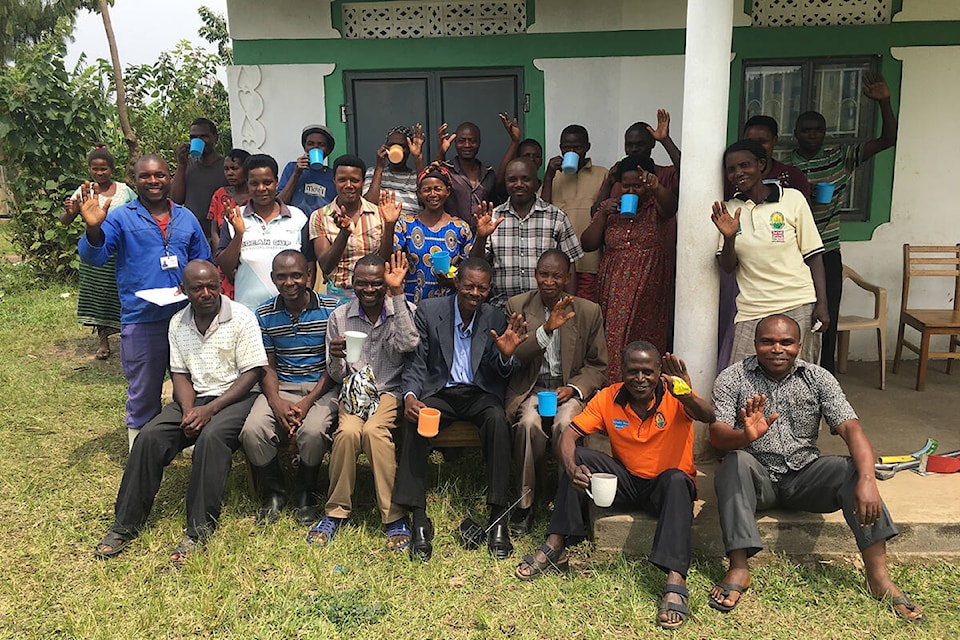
x,y
706,85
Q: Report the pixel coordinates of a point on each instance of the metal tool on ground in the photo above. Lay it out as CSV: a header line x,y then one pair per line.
x,y
887,471
927,449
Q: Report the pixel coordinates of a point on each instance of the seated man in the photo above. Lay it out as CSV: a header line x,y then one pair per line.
x,y
569,357
460,367
367,419
650,425
298,398
768,409
514,235
216,356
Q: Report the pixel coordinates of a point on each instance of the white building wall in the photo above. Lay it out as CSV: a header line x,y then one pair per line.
x,y
280,19
922,209
928,10
606,95
263,99
564,16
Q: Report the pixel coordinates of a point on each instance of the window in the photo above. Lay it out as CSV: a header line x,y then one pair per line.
x,y
783,89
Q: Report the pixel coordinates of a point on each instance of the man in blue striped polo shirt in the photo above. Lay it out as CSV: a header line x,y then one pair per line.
x,y
298,397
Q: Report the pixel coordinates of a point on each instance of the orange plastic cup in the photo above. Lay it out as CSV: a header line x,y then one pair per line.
x,y
428,422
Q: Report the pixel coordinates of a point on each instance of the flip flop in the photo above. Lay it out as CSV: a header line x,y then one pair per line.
x,y
187,547
907,603
681,608
111,545
726,588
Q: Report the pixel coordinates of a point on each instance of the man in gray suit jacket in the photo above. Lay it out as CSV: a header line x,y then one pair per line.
x,y
460,367
568,356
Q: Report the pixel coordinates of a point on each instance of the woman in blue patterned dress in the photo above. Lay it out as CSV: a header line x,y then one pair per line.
x,y
422,234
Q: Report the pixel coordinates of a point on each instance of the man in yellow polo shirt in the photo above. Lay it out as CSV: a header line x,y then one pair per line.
x,y
649,420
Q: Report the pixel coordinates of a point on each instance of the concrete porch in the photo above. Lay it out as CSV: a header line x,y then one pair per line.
x,y
898,420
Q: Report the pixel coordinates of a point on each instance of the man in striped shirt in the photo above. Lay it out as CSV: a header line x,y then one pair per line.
x,y
297,397
835,166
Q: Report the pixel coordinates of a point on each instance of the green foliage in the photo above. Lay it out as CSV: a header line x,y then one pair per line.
x,y
28,21
214,31
49,119
165,97
348,610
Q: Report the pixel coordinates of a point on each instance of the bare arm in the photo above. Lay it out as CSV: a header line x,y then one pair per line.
x,y
178,186
592,237
866,496
876,89
815,262
286,194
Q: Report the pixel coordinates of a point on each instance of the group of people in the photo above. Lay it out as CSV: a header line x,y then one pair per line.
x,y
476,290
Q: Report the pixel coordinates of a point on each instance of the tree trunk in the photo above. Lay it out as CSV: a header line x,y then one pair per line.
x,y
133,146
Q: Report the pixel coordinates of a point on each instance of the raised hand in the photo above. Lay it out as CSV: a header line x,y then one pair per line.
x,y
486,225
415,143
755,424
395,272
389,207
662,132
382,154
671,366
728,225
512,127
554,164
649,181
875,87
235,216
512,337
558,315
90,210
303,163
183,154
444,140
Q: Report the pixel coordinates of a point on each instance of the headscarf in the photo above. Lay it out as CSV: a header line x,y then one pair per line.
x,y
435,170
407,133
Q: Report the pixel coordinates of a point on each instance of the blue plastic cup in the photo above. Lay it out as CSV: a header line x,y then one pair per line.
x,y
196,147
316,159
823,192
571,162
628,205
441,261
547,403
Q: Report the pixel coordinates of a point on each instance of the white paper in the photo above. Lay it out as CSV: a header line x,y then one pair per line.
x,y
162,296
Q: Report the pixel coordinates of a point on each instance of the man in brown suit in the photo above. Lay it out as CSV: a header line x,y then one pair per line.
x,y
569,356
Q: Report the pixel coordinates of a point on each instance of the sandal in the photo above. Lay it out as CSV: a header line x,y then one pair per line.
x,y
187,547
726,588
557,561
679,608
102,354
112,544
910,607
322,533
398,535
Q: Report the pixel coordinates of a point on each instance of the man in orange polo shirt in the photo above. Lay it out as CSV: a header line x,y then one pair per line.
x,y
650,425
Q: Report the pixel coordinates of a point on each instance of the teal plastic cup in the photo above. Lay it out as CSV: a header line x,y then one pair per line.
x,y
316,159
196,147
547,403
628,205
823,192
441,261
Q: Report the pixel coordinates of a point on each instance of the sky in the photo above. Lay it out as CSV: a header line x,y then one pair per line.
x,y
143,29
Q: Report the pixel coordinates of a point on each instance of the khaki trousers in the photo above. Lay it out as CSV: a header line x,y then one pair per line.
x,y
530,441
375,438
261,434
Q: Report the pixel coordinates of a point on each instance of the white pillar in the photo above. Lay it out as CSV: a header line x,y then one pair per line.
x,y
706,87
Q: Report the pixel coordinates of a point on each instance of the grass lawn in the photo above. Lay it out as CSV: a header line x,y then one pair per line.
x,y
61,417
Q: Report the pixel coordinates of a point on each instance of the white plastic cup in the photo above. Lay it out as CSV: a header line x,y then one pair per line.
x,y
354,345
604,489
571,162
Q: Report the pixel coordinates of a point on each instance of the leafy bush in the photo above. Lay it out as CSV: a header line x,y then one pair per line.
x,y
49,120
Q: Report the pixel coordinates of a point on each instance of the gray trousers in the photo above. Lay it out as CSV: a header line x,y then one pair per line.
x,y
262,434
825,485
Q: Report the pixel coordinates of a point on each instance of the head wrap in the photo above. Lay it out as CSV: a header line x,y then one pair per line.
x,y
407,133
438,171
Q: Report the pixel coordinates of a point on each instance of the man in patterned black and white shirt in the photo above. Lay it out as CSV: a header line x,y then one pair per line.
x,y
768,410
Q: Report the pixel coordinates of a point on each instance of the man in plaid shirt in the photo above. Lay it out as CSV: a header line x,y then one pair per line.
x,y
514,235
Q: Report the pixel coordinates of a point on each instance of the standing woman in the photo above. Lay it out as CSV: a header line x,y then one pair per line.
x,y
226,199
633,278
768,235
98,303
422,234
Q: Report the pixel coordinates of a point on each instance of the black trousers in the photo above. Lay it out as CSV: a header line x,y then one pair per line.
x,y
668,497
833,269
462,402
158,444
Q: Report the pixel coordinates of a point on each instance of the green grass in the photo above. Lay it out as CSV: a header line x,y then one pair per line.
x,y
61,417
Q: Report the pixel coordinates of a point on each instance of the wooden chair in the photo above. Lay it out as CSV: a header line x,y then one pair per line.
x,y
459,434
878,322
929,261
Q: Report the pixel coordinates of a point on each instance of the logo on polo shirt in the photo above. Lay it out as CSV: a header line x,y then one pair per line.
x,y
661,422
314,189
619,424
776,220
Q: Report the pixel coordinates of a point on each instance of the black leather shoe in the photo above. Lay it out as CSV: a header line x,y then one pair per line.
x,y
521,521
498,544
269,481
307,508
420,546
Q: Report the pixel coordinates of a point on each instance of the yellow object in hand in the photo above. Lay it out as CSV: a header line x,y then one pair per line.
x,y
680,386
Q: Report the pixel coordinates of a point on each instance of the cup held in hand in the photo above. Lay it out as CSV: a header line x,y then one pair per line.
x,y
628,205
395,154
196,147
571,162
354,345
316,159
428,422
441,261
823,192
547,403
603,489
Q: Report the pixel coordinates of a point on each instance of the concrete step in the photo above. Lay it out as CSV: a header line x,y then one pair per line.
x,y
926,510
